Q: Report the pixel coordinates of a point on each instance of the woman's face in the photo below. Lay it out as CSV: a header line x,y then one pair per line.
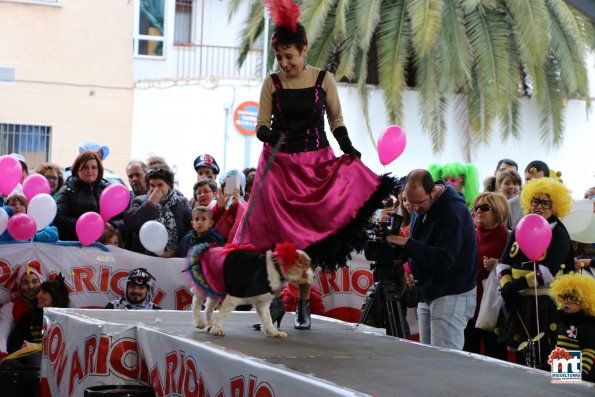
x,y
44,299
484,215
406,204
89,171
541,204
291,61
158,184
204,195
509,188
16,205
52,177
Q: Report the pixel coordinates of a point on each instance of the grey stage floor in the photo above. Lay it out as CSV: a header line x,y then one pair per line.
x,y
369,362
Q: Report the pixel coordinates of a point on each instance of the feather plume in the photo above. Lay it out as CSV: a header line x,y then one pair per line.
x,y
285,13
287,254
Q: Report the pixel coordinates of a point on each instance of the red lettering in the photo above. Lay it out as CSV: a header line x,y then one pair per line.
x,y
60,365
183,298
104,279
264,390
55,343
328,282
144,370
90,351
119,360
159,296
76,371
115,282
10,283
237,386
182,372
193,387
102,355
83,276
171,365
156,381
345,278
4,271
251,386
361,280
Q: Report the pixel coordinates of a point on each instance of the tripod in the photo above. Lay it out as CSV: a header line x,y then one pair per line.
x,y
383,308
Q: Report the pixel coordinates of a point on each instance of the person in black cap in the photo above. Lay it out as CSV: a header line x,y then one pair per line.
x,y
206,167
140,289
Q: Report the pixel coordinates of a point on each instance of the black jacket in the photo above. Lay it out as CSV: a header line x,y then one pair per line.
x,y
73,200
142,211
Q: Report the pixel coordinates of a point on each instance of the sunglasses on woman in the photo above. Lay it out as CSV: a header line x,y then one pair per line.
x,y
570,298
545,204
482,207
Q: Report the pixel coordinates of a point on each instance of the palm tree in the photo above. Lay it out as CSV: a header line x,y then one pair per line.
x,y
483,55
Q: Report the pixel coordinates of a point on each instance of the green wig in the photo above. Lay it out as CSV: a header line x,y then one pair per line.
x,y
468,172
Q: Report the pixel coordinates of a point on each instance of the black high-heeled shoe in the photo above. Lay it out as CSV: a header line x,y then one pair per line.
x,y
277,310
302,314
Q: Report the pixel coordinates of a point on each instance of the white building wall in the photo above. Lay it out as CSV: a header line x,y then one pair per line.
x,y
182,121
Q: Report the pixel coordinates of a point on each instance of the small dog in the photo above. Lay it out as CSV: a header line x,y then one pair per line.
x,y
235,274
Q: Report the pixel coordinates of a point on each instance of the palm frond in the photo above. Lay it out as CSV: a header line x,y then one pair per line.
x,y
253,27
319,54
531,20
233,7
314,17
394,37
426,16
510,114
367,16
455,59
349,46
550,104
463,123
432,103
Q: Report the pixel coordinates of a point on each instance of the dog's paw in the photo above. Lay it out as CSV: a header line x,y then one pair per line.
x,y
199,324
279,334
217,331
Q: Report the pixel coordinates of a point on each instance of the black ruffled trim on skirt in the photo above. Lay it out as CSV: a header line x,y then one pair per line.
x,y
334,251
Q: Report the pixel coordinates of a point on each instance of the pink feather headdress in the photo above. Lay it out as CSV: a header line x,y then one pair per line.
x,y
285,13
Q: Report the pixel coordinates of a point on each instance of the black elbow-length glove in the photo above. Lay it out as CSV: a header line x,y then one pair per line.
x,y
266,135
340,134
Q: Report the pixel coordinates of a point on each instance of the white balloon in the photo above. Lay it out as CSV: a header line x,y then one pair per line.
x,y
587,235
3,220
42,208
153,236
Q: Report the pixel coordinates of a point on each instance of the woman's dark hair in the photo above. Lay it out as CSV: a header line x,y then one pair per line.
x,y
82,159
57,289
283,36
160,173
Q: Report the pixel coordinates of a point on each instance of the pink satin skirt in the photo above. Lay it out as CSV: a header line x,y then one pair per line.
x,y
305,197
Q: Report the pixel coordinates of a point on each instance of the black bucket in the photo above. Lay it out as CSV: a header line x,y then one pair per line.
x,y
19,381
120,391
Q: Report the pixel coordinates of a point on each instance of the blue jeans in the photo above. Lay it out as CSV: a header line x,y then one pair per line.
x,y
442,322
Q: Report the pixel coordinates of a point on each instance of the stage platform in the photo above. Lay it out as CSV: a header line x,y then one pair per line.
x,y
348,359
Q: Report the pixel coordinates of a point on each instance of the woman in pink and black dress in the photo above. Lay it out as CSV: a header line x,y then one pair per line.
x,y
309,196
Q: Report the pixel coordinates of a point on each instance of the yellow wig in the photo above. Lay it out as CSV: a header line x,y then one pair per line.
x,y
581,285
560,195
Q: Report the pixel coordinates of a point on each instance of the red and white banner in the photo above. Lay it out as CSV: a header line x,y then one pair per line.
x,y
80,351
96,276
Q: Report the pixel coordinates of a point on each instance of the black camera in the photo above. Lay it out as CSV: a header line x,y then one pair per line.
x,y
387,257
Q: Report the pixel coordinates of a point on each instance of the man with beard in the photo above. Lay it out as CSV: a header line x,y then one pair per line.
x,y
29,282
140,289
136,171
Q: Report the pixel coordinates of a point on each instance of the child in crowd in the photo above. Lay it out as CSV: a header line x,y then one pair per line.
x,y
110,236
575,296
203,231
17,204
206,167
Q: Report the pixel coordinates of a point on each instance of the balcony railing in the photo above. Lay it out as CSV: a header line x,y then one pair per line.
x,y
206,61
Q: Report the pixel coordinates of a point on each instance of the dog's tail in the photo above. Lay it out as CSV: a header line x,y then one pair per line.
x,y
192,259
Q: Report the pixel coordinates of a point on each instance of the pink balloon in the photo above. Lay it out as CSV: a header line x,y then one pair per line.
x,y
89,227
113,200
533,234
10,174
391,144
22,227
35,184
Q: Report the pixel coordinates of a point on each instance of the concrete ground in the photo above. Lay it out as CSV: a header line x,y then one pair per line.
x,y
363,359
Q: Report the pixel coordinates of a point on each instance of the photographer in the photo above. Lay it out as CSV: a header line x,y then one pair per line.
x,y
442,251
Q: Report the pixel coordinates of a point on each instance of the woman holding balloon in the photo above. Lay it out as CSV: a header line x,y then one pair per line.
x,y
302,192
17,204
162,204
537,251
81,194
